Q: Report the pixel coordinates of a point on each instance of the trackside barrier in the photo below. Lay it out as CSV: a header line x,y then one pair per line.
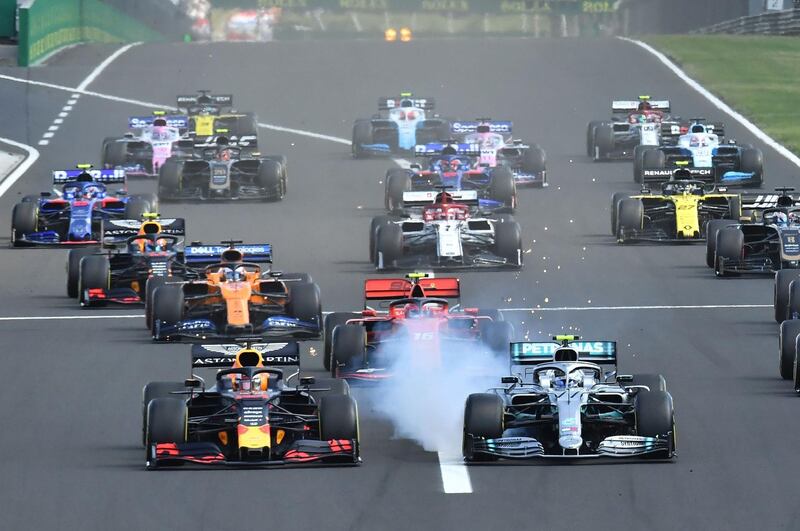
x,y
774,23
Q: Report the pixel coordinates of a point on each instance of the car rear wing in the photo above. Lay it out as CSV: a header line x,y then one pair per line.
x,y
428,197
537,352
393,102
434,149
210,254
105,176
665,174
223,355
223,100
619,106
114,232
383,289
779,198
495,126
173,120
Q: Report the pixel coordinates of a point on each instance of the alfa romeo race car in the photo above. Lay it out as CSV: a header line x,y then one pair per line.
x,y
359,346
236,299
138,255
498,147
221,170
152,140
707,157
446,234
250,416
454,166
680,212
633,123
401,123
562,401
765,241
73,215
209,114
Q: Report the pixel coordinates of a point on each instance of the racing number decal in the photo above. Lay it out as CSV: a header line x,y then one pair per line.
x,y
423,336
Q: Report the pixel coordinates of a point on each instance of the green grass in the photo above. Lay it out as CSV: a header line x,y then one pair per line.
x,y
758,76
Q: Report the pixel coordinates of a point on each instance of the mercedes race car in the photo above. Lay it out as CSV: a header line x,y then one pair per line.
x,y
152,140
632,124
680,212
359,346
454,166
73,216
138,255
236,299
497,147
446,234
401,123
565,400
222,170
707,157
211,114
763,242
249,416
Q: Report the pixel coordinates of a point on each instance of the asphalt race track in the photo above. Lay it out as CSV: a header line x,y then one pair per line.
x,y
71,391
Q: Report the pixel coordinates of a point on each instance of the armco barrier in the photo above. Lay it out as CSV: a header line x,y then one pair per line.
x,y
774,23
422,6
49,25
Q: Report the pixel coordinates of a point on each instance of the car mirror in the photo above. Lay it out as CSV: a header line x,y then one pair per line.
x,y
369,312
625,378
509,379
307,380
192,383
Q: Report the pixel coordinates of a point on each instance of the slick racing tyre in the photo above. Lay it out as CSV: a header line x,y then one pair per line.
x,y
114,153
304,302
497,335
136,207
270,179
94,272
787,341
590,137
712,228
378,221
348,341
154,390
784,278
615,200
730,242
630,217
168,303
398,181
73,269
603,141
653,159
752,161
362,134
24,220
331,321
166,421
338,418
502,187
638,162
170,179
150,287
388,245
483,418
655,417
328,387
508,242
655,382
534,160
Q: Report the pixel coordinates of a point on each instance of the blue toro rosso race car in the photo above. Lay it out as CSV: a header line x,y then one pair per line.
x,y
456,167
401,123
236,297
702,152
73,216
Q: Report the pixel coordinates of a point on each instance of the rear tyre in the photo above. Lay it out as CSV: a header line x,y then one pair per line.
x,y
787,344
152,391
508,242
497,335
502,187
24,220
136,207
752,160
167,307
603,141
73,269
730,242
115,154
150,287
94,272
653,159
712,228
166,421
388,245
169,179
304,302
783,280
534,160
655,417
331,321
348,341
378,221
398,181
338,418
655,382
362,134
638,162
483,418
590,137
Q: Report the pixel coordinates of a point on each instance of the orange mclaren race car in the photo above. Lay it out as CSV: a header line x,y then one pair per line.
x,y
250,416
236,299
415,309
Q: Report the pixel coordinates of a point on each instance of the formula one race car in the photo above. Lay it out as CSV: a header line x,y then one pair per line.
x,y
152,140
498,147
446,234
210,114
250,416
562,402
764,242
140,254
633,123
679,213
401,123
358,346
221,170
706,157
236,299
453,165
73,216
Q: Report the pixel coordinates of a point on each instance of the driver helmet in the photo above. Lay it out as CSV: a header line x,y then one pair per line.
x,y
91,192
160,133
455,164
794,217
644,106
233,274
224,155
242,383
776,218
411,310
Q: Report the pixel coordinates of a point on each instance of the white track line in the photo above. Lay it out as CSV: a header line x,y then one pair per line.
x,y
637,308
33,156
71,317
102,66
718,103
455,476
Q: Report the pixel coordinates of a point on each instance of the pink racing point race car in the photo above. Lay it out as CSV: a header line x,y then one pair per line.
x,y
150,142
528,162
419,309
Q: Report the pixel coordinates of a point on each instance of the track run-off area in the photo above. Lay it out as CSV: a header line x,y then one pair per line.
x,y
72,392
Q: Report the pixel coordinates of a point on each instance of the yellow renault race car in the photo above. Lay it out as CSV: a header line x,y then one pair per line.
x,y
211,114
679,213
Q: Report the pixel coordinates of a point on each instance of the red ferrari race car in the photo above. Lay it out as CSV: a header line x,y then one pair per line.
x,y
418,316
